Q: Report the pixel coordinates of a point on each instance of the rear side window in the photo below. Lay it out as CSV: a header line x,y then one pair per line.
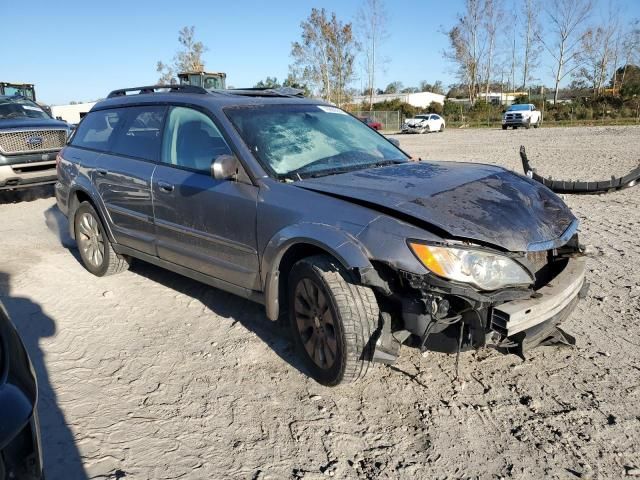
x,y
140,135
96,129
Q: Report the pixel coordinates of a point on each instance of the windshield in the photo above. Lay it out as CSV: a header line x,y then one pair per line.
x,y
518,108
20,108
297,141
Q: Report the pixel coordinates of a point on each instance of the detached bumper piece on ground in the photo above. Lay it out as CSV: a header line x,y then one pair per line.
x,y
20,452
577,186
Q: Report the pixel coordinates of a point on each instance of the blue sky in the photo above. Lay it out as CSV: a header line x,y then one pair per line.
x,y
80,50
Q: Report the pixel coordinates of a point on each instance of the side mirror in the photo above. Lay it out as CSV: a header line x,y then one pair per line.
x,y
395,141
224,167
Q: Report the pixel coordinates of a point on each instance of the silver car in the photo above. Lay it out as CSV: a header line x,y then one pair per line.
x,y
297,205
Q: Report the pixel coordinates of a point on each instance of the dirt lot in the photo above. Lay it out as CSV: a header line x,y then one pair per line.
x,y
150,375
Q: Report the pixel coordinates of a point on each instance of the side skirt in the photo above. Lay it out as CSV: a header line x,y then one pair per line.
x,y
252,295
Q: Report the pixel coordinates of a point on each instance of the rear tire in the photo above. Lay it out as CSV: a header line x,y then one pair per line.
x,y
97,254
334,321
441,128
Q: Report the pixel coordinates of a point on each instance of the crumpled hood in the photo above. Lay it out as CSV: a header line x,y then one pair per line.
x,y
464,200
415,121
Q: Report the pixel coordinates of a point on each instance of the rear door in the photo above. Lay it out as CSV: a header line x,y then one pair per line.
x,y
123,175
203,224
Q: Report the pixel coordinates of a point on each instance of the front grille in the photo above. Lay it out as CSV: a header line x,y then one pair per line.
x,y
32,141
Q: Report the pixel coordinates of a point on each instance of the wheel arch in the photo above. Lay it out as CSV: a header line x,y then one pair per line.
x,y
304,240
79,194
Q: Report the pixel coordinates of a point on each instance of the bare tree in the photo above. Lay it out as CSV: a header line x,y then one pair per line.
x,y
597,54
325,55
630,49
187,59
467,44
372,28
493,15
531,40
566,18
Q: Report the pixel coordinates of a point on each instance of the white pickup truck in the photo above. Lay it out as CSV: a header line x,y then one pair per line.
x,y
522,115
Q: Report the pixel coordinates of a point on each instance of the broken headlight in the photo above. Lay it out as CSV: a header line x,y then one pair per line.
x,y
484,270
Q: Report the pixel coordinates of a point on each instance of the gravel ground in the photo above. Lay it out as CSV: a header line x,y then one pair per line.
x,y
149,375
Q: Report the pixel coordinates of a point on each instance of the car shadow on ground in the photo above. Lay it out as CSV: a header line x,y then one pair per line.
x,y
61,455
249,314
26,194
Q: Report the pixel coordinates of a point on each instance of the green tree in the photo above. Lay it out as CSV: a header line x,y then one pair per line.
x,y
393,87
269,82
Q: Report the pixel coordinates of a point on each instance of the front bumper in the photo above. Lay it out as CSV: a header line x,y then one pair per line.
x,y
413,129
550,302
29,174
520,122
510,319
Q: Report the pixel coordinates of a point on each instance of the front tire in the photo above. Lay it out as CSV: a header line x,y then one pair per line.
x,y
97,254
441,128
504,127
334,321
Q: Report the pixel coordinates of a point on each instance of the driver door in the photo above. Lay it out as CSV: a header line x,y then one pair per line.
x,y
203,224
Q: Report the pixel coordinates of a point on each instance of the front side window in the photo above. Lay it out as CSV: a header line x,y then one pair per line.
x,y
294,141
192,140
20,108
96,129
140,136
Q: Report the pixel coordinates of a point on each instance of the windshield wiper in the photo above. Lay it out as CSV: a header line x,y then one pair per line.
x,y
300,174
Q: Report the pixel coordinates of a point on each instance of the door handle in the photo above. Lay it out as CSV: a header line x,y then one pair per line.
x,y
165,187
101,171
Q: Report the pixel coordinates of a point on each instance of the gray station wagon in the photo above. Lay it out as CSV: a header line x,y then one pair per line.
x,y
297,205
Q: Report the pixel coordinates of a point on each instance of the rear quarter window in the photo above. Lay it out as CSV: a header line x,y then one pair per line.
x,y
96,129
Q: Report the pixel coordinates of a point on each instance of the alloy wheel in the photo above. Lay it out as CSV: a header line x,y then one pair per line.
x,y
315,323
91,240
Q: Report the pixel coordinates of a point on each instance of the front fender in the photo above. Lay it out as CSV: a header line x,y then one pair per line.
x,y
338,243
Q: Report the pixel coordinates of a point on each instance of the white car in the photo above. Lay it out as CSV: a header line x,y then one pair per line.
x,y
428,122
522,115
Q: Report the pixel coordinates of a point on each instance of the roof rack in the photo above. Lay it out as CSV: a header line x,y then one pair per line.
x,y
153,88
265,92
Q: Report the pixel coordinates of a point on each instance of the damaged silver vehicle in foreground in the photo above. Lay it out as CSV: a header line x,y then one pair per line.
x,y
297,205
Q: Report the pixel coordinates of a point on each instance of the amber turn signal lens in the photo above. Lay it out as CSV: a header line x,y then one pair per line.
x,y
427,258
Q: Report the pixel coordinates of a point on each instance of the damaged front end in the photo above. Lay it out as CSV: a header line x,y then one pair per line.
x,y
432,313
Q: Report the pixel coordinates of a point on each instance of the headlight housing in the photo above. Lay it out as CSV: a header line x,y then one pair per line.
x,y
484,270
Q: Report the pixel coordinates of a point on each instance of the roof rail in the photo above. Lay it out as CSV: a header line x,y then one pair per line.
x,y
152,89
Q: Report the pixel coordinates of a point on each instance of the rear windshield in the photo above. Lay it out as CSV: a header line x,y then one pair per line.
x,y
296,141
12,108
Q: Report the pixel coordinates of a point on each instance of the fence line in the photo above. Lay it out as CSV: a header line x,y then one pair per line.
x,y
390,120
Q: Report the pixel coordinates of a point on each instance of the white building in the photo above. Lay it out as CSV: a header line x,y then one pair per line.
x,y
419,100
71,113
